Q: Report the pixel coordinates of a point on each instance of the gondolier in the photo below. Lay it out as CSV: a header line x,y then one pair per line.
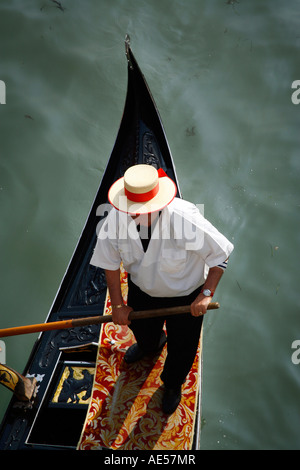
x,y
173,256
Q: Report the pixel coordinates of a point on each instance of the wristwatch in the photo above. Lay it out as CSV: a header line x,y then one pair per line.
x,y
207,292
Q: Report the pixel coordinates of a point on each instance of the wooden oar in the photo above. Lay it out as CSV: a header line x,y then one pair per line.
x,y
64,324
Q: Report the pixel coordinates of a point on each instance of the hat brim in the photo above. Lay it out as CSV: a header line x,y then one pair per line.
x,y
167,192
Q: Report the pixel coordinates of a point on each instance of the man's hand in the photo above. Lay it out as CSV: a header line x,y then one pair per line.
x,y
120,315
199,306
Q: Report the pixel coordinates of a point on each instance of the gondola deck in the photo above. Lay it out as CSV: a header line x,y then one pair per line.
x,y
125,408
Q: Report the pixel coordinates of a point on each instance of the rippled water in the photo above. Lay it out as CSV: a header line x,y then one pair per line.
x,y
221,74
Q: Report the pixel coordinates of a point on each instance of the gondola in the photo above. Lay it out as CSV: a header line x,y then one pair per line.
x,y
54,417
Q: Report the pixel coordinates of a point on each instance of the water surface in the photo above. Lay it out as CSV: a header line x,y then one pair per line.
x,y
221,74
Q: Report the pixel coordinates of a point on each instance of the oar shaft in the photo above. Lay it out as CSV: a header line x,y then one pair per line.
x,y
75,322
23,330
161,312
55,325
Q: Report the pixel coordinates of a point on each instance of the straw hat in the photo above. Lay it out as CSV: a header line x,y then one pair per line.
x,y
142,190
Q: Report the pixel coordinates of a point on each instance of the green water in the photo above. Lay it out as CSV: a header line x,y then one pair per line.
x,y
221,73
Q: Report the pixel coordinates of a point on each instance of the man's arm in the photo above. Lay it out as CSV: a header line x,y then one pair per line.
x,y
200,304
120,311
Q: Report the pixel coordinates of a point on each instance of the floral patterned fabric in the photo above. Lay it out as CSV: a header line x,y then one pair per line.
x,y
125,408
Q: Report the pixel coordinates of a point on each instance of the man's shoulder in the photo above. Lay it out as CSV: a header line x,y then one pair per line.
x,y
182,207
114,216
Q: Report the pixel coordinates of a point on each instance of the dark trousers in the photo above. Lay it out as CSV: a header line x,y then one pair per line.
x,y
183,332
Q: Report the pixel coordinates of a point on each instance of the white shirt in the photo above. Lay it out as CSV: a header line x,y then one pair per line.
x,y
183,246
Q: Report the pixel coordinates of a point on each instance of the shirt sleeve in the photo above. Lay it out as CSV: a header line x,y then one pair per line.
x,y
106,254
216,247
204,238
